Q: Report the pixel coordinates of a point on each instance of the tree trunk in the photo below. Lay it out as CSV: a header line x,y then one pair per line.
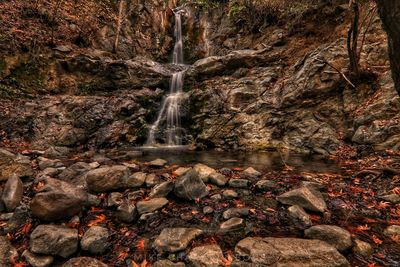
x,y
119,23
389,11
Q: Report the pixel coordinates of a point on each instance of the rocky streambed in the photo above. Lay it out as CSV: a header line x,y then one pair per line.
x,y
67,208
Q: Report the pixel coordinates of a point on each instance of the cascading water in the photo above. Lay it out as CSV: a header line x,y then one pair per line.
x,y
170,109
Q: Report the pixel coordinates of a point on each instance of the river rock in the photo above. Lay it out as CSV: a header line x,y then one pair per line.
x,y
9,166
162,189
235,212
175,239
229,194
251,173
158,163
313,185
37,260
266,185
299,216
8,254
54,240
75,174
217,179
208,210
392,198
362,248
56,152
127,212
304,197
84,261
392,230
148,206
232,224
115,199
180,171
331,234
12,193
49,172
57,200
107,178
49,163
289,252
16,219
239,183
203,171
206,256
152,180
136,180
168,263
95,240
190,186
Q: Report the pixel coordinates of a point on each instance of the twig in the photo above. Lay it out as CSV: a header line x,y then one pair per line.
x,y
338,71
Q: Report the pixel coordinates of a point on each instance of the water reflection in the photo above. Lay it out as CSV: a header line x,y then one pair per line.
x,y
262,161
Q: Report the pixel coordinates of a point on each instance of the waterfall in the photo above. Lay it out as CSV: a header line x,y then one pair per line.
x,y
170,108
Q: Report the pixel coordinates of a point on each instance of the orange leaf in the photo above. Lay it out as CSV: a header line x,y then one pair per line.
x,y
99,219
362,228
228,260
376,240
140,245
21,264
379,255
382,205
122,255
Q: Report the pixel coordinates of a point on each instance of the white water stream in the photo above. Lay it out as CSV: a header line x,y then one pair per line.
x,y
170,109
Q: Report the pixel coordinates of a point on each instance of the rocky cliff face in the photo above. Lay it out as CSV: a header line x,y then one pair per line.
x,y
245,90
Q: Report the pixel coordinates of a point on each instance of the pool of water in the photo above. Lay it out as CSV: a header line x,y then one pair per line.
x,y
262,161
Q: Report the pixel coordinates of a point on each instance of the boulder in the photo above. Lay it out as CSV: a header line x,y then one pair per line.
x,y
57,199
175,239
180,171
203,171
331,234
266,185
232,224
95,240
115,199
152,180
148,206
37,260
107,178
239,183
289,252
190,186
251,173
12,193
127,212
8,254
362,248
136,180
45,163
304,197
10,165
75,174
299,216
392,230
158,163
162,189
235,212
84,261
206,256
229,194
218,179
54,240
